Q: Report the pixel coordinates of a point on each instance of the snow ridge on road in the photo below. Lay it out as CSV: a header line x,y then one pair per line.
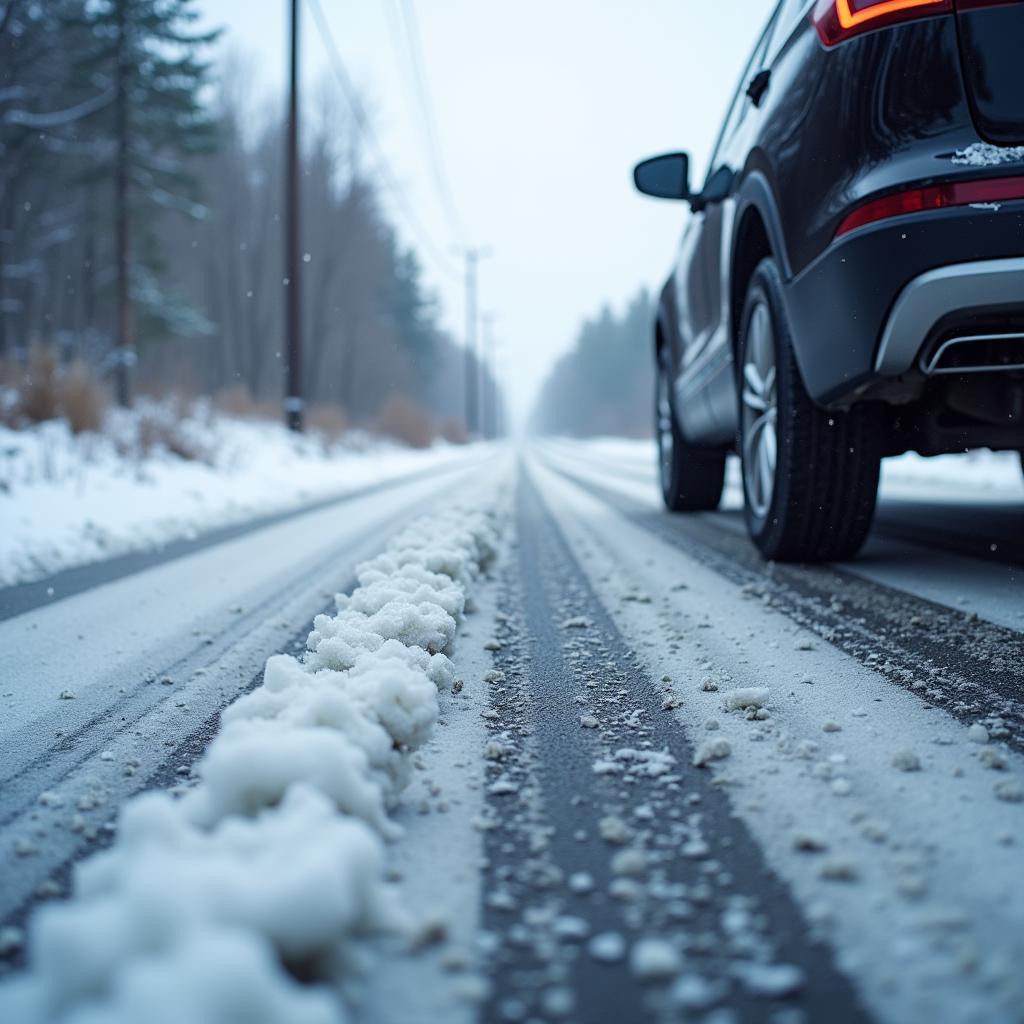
x,y
210,907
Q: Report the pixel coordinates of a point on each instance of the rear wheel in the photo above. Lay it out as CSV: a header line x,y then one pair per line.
x,y
691,476
810,477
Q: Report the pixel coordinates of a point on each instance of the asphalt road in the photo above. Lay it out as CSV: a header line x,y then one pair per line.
x,y
579,852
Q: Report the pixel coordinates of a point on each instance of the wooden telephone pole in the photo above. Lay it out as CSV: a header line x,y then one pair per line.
x,y
293,400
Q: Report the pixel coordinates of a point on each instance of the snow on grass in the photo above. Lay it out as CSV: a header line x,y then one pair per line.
x,y
209,907
67,500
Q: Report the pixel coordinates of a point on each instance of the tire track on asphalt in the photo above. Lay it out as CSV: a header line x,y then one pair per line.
x,y
968,667
644,847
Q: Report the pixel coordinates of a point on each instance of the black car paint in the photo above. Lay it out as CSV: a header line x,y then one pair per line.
x,y
879,113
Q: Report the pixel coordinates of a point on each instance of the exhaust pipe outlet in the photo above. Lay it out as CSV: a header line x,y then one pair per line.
x,y
976,353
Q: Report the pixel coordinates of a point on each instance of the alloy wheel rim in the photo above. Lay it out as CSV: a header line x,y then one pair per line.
x,y
760,412
665,439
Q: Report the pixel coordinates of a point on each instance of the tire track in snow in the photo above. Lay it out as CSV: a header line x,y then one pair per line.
x,y
26,597
127,739
48,873
639,865
970,668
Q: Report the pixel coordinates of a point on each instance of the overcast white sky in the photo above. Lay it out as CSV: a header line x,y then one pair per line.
x,y
542,107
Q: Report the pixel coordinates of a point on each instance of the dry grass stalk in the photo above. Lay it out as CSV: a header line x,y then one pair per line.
x,y
406,420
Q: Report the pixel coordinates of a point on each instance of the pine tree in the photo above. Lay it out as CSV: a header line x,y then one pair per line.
x,y
412,309
147,53
40,110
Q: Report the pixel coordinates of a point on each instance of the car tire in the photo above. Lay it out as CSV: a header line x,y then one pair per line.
x,y
691,476
810,476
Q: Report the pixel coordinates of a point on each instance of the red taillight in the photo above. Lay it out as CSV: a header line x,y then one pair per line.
x,y
934,197
838,20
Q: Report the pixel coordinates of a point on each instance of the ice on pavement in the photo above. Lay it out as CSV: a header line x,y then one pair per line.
x,y
207,908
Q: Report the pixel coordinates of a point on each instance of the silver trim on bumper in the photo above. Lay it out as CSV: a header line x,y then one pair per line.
x,y
937,293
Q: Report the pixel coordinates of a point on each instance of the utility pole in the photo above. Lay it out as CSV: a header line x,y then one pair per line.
x,y
293,400
125,352
472,255
489,387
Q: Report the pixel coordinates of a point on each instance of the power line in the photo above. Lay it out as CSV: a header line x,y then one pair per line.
x,y
384,171
428,121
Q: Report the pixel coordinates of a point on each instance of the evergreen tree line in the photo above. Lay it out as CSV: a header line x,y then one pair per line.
x,y
605,384
141,201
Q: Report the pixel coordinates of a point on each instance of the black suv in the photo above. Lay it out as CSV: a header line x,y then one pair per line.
x,y
850,284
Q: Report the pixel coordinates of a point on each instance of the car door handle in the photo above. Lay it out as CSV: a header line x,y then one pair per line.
x,y
759,86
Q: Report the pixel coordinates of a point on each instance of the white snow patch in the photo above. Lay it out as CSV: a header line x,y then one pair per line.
x,y
654,960
983,154
712,750
746,697
977,733
906,761
772,981
607,947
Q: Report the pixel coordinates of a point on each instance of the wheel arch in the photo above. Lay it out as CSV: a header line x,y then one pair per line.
x,y
757,233
664,325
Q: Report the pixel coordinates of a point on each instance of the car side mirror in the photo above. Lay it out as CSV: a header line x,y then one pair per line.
x,y
716,188
664,177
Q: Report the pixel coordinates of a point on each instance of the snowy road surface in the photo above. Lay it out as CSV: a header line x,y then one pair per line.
x,y
666,781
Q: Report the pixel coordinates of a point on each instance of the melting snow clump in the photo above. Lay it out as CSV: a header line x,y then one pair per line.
x,y
654,960
906,761
772,981
608,947
749,697
977,733
1009,790
712,750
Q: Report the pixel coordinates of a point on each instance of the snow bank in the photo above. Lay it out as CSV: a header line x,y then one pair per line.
x,y
975,475
209,908
68,500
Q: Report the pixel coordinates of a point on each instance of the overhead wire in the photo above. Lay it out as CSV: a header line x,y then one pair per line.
x,y
428,121
384,170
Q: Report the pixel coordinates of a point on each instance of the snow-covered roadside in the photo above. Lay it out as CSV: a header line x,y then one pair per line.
x,y
977,475
896,827
272,867
68,500
980,475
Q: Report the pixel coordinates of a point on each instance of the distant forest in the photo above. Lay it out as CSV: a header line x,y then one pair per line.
x,y
605,384
111,112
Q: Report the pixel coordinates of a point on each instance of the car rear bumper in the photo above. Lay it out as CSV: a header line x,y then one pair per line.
x,y
864,310
938,295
